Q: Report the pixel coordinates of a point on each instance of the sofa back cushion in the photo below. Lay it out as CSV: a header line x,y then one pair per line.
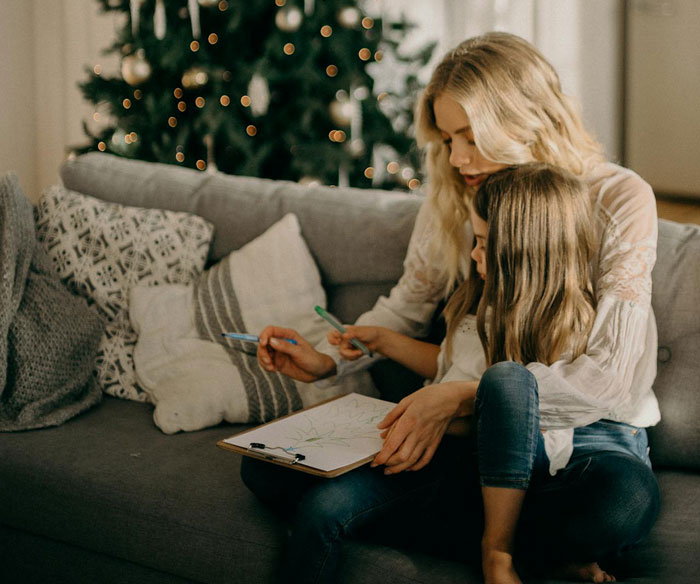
x,y
675,441
357,237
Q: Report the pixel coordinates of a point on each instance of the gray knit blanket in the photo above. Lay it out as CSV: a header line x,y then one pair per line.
x,y
48,337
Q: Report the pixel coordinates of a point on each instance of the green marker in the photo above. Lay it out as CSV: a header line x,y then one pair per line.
x,y
339,327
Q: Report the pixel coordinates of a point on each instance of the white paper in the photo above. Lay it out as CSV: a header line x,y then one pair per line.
x,y
330,436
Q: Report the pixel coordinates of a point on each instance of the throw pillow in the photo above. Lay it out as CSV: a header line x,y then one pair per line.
x,y
100,250
194,376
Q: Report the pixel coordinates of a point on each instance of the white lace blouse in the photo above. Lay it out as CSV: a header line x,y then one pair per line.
x,y
613,378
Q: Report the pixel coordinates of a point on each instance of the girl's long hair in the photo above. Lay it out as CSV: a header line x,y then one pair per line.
x,y
518,113
537,301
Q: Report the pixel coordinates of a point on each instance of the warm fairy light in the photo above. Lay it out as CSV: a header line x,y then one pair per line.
x,y
289,49
326,31
128,139
369,172
199,102
337,136
194,46
182,106
180,157
138,94
251,130
134,137
367,22
364,54
413,184
378,56
172,121
382,95
201,165
392,167
126,103
97,69
223,5
96,116
225,100
213,38
331,70
177,93
280,2
101,146
246,101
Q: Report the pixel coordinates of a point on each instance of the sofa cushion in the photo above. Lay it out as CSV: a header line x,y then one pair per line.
x,y
358,237
100,250
195,377
675,441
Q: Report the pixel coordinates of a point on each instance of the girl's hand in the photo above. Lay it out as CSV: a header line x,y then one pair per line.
x,y
414,428
301,361
373,337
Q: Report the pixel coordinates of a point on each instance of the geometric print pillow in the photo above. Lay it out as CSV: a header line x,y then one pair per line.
x,y
101,250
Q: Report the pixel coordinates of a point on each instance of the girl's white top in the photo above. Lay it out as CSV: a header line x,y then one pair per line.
x,y
613,378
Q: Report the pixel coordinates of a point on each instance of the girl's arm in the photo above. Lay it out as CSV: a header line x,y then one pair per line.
x,y
418,356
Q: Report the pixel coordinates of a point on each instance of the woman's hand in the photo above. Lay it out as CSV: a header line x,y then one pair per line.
x,y
301,361
414,428
372,337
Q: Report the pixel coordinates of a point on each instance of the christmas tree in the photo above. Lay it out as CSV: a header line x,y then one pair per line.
x,y
271,88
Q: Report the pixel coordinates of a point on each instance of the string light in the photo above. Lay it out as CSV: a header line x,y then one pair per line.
x,y
413,184
382,95
177,93
378,56
289,49
199,102
213,38
245,101
126,103
364,54
134,137
392,167
280,2
326,31
96,116
337,136
331,70
223,5
194,46
367,22
101,146
201,165
138,94
97,69
251,130
369,172
180,157
182,106
225,100
172,121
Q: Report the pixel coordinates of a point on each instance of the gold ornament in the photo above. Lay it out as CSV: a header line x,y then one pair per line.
x,y
349,17
135,68
289,18
194,78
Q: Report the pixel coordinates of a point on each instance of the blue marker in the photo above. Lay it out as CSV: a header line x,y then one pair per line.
x,y
249,338
340,328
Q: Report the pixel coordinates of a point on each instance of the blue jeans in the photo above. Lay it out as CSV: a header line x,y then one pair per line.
x,y
603,501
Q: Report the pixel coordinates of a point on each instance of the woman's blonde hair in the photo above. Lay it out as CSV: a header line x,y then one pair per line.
x,y
537,300
518,114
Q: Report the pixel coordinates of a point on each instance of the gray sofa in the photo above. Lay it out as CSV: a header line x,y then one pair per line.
x,y
107,497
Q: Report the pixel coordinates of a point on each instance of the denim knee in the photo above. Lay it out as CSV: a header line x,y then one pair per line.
x,y
508,429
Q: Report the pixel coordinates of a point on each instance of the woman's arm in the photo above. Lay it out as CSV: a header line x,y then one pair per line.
x,y
613,378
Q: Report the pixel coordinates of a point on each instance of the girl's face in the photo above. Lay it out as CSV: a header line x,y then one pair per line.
x,y
479,252
453,123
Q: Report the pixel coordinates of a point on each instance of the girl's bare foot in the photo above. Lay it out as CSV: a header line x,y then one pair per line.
x,y
498,568
590,572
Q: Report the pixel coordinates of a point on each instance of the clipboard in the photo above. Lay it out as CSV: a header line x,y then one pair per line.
x,y
326,440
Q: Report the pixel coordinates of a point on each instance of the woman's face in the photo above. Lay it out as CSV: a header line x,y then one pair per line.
x,y
453,123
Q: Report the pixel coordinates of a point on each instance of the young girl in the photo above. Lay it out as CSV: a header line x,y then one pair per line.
x,y
495,102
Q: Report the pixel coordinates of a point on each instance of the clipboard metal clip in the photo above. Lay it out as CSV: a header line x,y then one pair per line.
x,y
264,451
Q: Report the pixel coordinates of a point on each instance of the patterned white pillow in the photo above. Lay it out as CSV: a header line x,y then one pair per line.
x,y
102,249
